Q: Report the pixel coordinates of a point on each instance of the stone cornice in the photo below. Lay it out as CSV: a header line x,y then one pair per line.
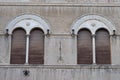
x,y
87,66
60,4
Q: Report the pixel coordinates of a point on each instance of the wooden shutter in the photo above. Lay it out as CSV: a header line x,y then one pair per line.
x,y
36,50
18,47
84,47
103,47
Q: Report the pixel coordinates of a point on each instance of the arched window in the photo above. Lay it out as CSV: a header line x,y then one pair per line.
x,y
18,46
103,55
27,40
100,29
84,47
36,47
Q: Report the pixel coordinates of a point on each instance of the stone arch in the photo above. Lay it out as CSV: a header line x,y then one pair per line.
x,y
93,22
28,22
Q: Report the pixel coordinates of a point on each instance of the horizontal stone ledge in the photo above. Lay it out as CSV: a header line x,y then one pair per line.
x,y
3,34
63,66
60,4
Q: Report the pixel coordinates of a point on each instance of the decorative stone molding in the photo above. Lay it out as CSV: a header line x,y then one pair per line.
x,y
28,22
93,23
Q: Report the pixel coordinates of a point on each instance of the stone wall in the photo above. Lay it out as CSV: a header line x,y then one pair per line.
x,y
64,1
84,72
60,18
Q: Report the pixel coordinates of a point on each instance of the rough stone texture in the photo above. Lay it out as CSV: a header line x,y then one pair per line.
x,y
4,54
58,16
115,45
63,1
14,0
57,46
85,72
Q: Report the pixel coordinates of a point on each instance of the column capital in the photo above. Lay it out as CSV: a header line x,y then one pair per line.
x,y
27,34
93,35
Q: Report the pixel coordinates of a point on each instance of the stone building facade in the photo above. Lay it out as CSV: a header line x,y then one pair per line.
x,y
80,39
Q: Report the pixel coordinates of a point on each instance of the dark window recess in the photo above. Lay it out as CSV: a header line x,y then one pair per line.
x,y
103,55
36,47
84,47
18,47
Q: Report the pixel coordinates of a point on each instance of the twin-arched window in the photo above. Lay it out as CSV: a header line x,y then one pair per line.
x,y
35,48
27,36
85,47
